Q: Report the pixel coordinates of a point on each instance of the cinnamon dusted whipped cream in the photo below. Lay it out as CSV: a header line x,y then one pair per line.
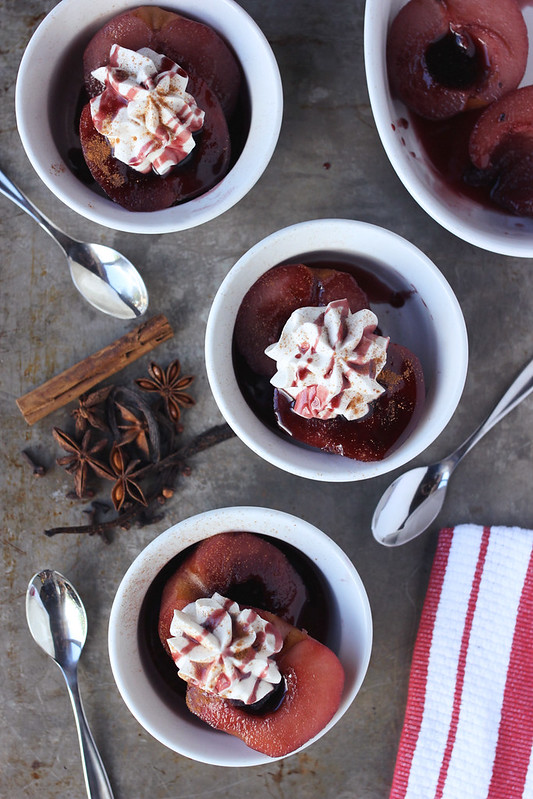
x,y
328,360
225,650
144,111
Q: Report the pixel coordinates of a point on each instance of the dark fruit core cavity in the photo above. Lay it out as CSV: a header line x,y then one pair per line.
x,y
455,61
268,704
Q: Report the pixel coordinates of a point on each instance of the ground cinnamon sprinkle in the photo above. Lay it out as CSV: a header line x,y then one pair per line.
x,y
99,152
390,378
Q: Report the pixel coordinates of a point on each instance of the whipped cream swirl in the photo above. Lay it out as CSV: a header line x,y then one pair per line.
x,y
225,650
144,111
328,360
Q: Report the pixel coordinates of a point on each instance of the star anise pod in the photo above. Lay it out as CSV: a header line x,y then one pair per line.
x,y
91,410
81,457
123,472
134,429
170,386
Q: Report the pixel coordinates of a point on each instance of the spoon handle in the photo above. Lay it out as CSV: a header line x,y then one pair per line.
x,y
13,193
96,780
517,391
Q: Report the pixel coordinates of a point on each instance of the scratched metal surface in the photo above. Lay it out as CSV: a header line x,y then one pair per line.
x,y
329,162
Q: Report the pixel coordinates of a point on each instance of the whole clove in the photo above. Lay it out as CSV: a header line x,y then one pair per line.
x,y
38,470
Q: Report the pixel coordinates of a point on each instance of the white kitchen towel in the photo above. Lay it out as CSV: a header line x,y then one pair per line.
x,y
468,729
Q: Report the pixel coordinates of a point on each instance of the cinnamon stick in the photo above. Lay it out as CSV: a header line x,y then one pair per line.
x,y
81,377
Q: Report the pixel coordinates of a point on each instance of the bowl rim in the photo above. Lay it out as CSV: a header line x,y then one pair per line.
x,y
516,236
260,69
123,650
287,243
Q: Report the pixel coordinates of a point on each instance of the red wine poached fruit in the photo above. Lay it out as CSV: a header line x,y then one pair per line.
x,y
261,317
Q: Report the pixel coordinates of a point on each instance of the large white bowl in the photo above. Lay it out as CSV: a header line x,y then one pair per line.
x,y
175,726
51,72
490,229
430,324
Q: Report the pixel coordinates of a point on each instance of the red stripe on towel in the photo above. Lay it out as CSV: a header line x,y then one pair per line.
x,y
417,687
461,666
515,736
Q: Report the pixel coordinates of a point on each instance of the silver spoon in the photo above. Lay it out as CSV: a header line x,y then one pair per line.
x,y
104,277
414,499
58,622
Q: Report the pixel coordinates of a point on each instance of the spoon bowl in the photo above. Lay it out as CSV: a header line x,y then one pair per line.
x,y
58,623
410,504
415,499
56,617
103,276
